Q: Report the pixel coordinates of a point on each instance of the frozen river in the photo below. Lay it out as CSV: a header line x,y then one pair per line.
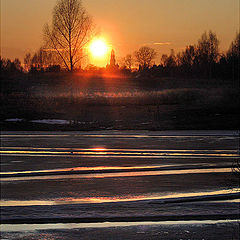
x,y
117,176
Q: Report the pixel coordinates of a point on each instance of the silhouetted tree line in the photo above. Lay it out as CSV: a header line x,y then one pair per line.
x,y
201,60
8,66
43,61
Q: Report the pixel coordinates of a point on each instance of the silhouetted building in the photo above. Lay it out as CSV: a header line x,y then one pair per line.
x,y
112,60
112,66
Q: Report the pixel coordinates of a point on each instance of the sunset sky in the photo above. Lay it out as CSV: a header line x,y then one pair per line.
x,y
125,25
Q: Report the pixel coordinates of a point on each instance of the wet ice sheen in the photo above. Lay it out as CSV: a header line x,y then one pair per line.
x,y
120,174
8,203
35,227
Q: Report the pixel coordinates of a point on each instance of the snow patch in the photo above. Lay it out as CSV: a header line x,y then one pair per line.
x,y
52,121
14,120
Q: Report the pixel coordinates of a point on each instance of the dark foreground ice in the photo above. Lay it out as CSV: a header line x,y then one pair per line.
x,y
137,178
148,230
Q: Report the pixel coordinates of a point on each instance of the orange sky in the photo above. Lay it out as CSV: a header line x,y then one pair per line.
x,y
126,25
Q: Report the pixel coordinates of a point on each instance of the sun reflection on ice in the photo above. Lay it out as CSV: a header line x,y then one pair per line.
x,y
98,149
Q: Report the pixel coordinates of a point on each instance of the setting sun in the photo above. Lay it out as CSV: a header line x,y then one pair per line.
x,y
98,48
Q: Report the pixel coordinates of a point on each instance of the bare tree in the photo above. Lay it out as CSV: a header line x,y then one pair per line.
x,y
145,56
208,47
27,61
69,33
207,52
234,49
187,57
233,58
164,60
128,61
17,64
35,61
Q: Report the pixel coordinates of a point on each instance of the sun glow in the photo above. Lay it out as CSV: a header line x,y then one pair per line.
x,y
98,48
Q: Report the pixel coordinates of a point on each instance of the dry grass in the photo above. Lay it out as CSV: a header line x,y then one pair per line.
x,y
163,103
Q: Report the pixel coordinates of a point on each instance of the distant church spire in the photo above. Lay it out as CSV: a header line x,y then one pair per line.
x,y
112,66
112,60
